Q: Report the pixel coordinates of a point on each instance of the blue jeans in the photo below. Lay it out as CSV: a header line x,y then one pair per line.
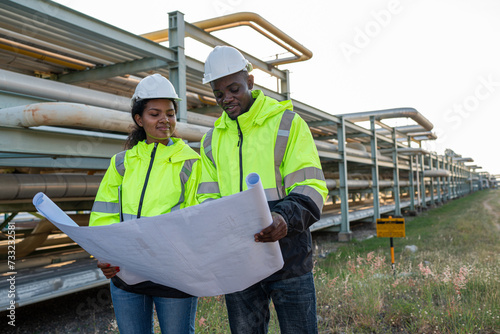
x,y
294,300
134,312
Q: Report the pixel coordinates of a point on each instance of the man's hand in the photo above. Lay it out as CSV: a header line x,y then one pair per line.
x,y
274,232
107,270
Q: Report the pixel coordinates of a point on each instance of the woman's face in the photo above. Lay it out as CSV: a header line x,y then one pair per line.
x,y
158,120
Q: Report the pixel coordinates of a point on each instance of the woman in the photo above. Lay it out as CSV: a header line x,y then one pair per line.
x,y
156,175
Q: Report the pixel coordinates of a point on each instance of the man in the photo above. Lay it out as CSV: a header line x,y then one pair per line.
x,y
259,134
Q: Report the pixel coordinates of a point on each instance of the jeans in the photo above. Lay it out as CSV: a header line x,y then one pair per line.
x,y
294,300
134,312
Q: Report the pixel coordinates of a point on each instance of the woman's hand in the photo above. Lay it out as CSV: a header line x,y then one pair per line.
x,y
107,269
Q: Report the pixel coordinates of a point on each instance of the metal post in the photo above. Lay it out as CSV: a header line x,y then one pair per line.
x,y
345,233
422,182
431,189
285,85
454,178
412,188
439,199
375,176
448,179
397,200
417,174
177,75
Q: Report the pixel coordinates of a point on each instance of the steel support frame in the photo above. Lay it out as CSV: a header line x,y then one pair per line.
x,y
177,70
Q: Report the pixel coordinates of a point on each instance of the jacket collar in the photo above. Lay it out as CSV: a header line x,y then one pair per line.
x,y
175,152
262,108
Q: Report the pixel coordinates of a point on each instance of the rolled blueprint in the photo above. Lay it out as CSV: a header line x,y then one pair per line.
x,y
203,250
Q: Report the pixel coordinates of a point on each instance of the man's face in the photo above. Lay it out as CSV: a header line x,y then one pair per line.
x,y
233,93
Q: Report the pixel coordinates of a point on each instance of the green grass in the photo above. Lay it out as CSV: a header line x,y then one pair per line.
x,y
451,284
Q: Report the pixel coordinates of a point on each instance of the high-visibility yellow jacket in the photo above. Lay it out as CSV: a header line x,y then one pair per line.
x,y
145,181
273,141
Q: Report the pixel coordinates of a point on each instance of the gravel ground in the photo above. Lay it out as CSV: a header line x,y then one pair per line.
x,y
88,311
91,311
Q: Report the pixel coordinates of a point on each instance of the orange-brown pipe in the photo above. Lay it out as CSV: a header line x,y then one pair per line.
x,y
246,18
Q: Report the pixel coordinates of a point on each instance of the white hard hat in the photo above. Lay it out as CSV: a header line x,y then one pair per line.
x,y
222,61
154,86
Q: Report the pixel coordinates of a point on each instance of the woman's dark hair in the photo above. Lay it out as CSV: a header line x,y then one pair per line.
x,y
138,134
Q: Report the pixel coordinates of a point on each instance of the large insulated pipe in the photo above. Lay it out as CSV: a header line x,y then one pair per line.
x,y
83,116
32,86
324,146
390,113
402,129
463,159
412,151
363,184
25,186
436,173
96,118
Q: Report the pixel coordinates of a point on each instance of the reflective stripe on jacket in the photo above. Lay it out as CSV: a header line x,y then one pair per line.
x,y
147,181
276,143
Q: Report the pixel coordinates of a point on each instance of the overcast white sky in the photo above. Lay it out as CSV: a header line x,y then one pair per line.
x,y
439,57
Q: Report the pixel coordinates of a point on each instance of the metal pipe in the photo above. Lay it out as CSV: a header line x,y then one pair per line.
x,y
96,118
390,113
31,40
362,184
402,129
246,18
350,151
43,56
463,159
423,135
436,173
25,186
84,116
412,151
32,86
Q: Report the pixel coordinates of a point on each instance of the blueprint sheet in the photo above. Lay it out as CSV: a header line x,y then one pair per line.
x,y
203,250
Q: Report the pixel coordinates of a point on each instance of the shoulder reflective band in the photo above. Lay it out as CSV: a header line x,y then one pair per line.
x,y
207,146
280,148
120,162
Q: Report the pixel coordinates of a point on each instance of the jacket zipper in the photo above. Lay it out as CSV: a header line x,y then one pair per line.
x,y
147,179
240,145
